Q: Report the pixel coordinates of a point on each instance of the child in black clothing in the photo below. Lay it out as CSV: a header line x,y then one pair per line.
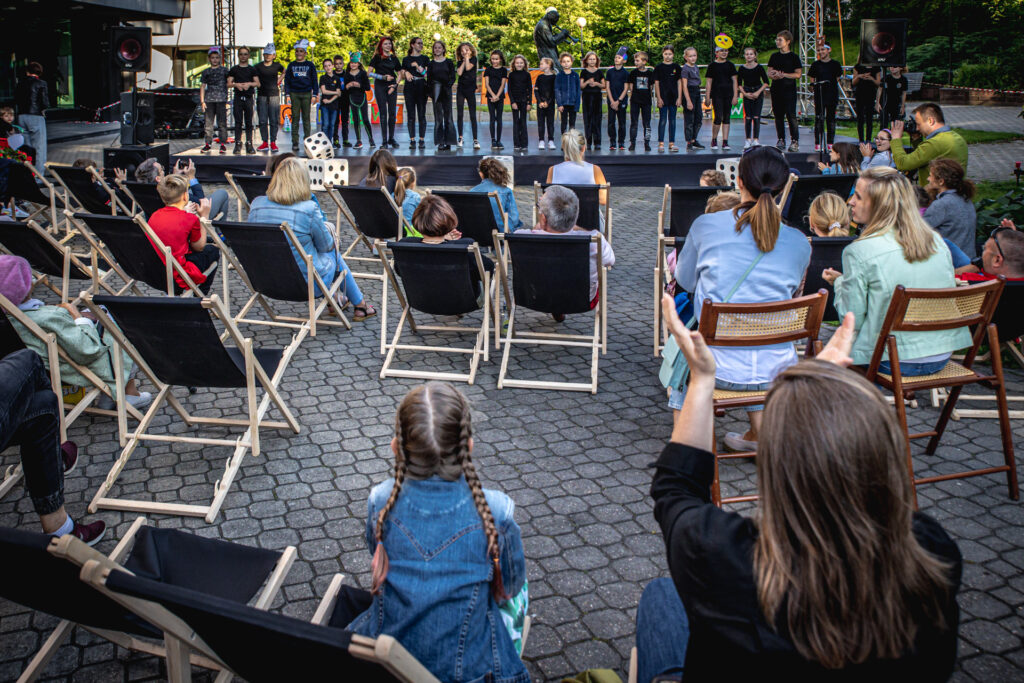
x,y
723,91
667,89
466,89
440,77
753,82
640,80
592,83
891,100
355,84
618,100
414,71
519,87
784,69
824,75
544,92
495,77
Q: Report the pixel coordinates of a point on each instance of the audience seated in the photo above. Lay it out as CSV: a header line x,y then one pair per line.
x,y
574,170
880,154
412,196
844,157
383,172
829,216
1003,255
214,207
494,178
436,222
178,227
895,247
29,418
713,178
722,201
98,193
79,334
288,201
951,212
835,577
15,134
750,254
457,608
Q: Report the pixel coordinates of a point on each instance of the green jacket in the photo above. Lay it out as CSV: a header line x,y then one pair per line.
x,y
872,267
82,343
946,144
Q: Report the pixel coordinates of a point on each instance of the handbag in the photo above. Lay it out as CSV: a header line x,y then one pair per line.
x,y
674,368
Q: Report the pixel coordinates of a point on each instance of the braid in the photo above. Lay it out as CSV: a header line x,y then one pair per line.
x,y
380,555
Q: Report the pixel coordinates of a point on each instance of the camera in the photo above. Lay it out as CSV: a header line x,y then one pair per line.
x,y
910,126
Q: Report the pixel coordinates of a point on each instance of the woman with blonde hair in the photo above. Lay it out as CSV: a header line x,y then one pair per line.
x,y
829,216
574,170
289,200
895,247
834,577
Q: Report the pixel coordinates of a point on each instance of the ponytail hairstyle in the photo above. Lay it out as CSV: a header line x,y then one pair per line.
x,y
407,174
432,433
763,172
951,174
382,165
494,170
412,41
829,215
893,207
849,156
573,143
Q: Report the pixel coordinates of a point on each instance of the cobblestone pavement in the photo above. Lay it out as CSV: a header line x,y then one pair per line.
x,y
575,464
995,160
1002,118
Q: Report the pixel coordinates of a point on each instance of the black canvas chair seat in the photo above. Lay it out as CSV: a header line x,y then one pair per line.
x,y
266,255
146,196
475,213
370,208
21,240
252,186
1009,313
21,183
129,246
447,270
10,340
80,183
687,204
826,252
807,187
551,273
590,204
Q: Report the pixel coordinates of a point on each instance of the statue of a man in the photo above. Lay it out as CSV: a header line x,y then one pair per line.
x,y
545,37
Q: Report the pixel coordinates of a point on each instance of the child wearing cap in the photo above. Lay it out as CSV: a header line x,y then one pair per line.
x,y
300,84
213,98
268,99
355,83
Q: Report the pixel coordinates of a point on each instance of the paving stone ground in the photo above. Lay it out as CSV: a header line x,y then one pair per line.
x,y
575,464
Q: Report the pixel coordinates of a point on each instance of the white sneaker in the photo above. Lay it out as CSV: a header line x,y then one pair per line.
x,y
755,143
551,144
746,144
459,143
735,442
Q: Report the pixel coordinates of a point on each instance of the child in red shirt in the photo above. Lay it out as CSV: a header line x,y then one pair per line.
x,y
180,230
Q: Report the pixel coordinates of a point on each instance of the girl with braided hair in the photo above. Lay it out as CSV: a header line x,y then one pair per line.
x,y
447,554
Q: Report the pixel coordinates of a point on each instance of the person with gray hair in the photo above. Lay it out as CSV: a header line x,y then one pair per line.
x,y
152,171
557,212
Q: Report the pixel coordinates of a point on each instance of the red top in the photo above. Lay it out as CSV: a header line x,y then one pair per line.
x,y
177,229
984,277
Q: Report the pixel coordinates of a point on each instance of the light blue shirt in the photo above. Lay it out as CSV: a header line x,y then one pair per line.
x,y
714,258
307,222
409,204
508,202
878,159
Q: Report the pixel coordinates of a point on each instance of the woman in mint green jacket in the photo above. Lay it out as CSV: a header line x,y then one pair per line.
x,y
896,247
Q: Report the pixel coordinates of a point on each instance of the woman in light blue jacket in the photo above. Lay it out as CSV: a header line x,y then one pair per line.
x,y
881,154
494,178
288,200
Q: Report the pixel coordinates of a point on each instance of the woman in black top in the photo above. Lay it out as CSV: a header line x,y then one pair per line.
x,y
519,91
723,91
865,86
753,82
592,84
440,77
544,92
414,71
836,578
466,89
495,77
784,68
385,65
824,74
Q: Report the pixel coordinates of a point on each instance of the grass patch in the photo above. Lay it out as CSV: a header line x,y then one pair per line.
x,y
994,189
971,137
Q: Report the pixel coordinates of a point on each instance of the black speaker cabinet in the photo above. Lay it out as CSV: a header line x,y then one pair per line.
x,y
131,48
883,42
129,157
137,118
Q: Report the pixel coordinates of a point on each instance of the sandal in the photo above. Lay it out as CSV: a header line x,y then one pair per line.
x,y
672,148
363,311
661,146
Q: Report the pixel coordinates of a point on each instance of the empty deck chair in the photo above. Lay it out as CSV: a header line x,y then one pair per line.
x,y
593,216
438,279
173,342
50,258
21,185
79,190
806,188
247,188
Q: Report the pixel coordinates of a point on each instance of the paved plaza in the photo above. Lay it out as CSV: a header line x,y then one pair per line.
x,y
576,465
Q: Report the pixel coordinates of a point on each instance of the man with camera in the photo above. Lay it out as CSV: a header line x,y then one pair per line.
x,y
936,141
213,207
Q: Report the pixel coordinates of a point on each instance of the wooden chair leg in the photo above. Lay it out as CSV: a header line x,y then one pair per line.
x,y
901,413
716,491
1005,431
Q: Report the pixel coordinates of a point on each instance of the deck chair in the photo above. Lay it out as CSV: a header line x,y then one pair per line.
x,y
261,254
130,246
143,196
42,572
680,206
551,274
807,187
10,341
173,342
929,310
247,188
21,185
78,190
51,259
591,212
437,279
760,324
475,211
826,252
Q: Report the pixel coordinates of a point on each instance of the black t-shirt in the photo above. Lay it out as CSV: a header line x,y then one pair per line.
x,y
786,63
268,77
720,74
828,74
242,74
331,82
496,76
360,77
641,85
415,66
544,89
442,72
386,66
596,74
752,78
864,88
467,79
667,76
894,89
519,86
616,80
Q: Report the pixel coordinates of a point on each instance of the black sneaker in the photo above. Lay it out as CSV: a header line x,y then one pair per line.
x,y
412,144
689,145
781,144
697,145
89,534
205,149
597,145
224,149
249,149
346,143
632,146
499,146
647,147
69,455
358,145
423,144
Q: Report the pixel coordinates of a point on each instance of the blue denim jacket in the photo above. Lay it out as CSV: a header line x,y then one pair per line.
x,y
307,222
508,202
567,89
436,600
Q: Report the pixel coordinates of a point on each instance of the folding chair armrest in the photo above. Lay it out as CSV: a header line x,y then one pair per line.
x,y
119,552
74,550
330,599
276,579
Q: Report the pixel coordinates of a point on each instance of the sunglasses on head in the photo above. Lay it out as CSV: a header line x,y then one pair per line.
x,y
995,238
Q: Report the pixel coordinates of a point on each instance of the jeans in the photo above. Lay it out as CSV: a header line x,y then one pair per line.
x,y
268,108
662,631
242,110
494,113
350,288
752,116
693,118
637,111
667,117
36,127
329,121
469,97
218,111
865,106
416,107
568,117
387,105
444,127
617,116
784,109
219,205
29,418
301,102
592,117
677,396
546,122
519,118
912,369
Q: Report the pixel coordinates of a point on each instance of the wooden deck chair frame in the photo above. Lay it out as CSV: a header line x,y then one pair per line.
x,y
52,206
596,342
1012,347
538,190
249,440
305,325
778,331
973,306
241,199
69,195
123,187
481,344
667,242
181,648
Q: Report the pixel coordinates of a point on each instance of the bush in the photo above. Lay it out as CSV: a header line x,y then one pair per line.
x,y
992,211
990,75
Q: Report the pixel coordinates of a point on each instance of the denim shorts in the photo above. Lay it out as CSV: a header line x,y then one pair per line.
x,y
676,396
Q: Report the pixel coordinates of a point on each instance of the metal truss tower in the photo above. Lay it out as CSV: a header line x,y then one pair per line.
x,y
224,28
811,16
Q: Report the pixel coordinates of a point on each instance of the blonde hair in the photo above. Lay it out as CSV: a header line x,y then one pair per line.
x,y
407,174
894,207
290,183
829,215
722,201
714,178
171,188
597,60
526,64
573,143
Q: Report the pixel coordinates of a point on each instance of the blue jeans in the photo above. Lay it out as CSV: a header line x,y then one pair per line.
x,y
36,127
911,369
329,122
662,631
350,288
675,399
667,116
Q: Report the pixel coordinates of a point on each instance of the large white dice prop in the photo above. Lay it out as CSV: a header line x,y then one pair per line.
x,y
318,146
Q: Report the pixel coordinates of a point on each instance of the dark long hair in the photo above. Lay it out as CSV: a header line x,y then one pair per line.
x,y
763,172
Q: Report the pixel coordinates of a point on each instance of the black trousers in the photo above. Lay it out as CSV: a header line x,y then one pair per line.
x,y
825,121
721,107
617,123
416,107
387,106
202,260
444,127
692,118
469,97
241,109
592,117
889,114
351,603
865,106
360,117
519,118
784,109
494,111
568,117
637,111
752,116
546,122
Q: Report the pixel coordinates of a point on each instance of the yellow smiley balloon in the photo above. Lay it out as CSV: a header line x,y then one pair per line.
x,y
723,41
